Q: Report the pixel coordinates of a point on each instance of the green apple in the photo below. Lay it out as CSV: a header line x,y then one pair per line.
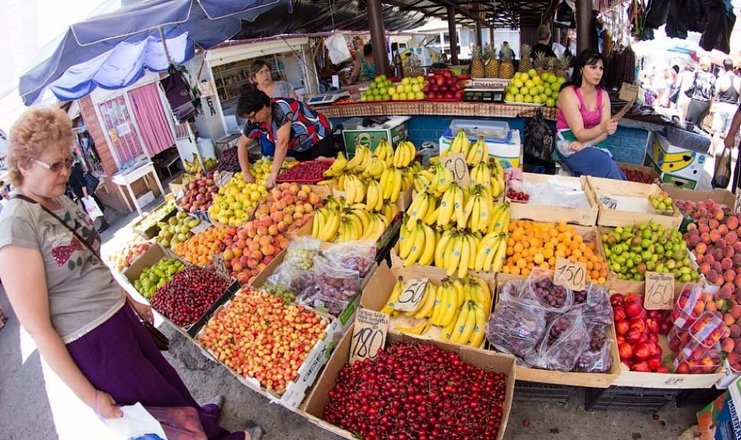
x,y
528,98
550,102
532,73
524,91
519,98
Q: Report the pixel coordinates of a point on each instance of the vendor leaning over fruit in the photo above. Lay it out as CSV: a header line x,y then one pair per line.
x,y
95,352
290,127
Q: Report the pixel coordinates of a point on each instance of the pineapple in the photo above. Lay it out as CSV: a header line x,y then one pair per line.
x,y
525,61
540,62
477,66
506,68
550,64
492,64
562,69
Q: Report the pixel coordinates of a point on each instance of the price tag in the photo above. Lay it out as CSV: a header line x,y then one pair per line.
x,y
659,291
411,295
368,335
570,274
220,265
456,163
224,178
202,226
609,202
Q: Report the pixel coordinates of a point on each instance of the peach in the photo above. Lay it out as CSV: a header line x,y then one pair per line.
x,y
713,223
273,229
252,263
727,263
243,277
723,229
731,238
261,266
306,189
737,281
294,189
703,228
237,267
727,345
268,259
228,254
705,237
729,276
276,216
714,236
718,214
265,240
732,223
237,252
255,246
704,268
256,255
314,199
308,207
701,248
302,195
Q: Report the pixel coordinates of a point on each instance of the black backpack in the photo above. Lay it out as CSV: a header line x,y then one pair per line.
x,y
539,138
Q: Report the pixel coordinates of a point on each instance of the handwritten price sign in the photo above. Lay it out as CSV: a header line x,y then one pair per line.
x,y
369,334
570,274
411,295
659,291
220,265
456,163
223,178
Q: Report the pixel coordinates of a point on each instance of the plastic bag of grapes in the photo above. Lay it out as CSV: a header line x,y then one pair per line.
x,y
353,255
539,287
565,340
594,302
517,326
301,252
597,358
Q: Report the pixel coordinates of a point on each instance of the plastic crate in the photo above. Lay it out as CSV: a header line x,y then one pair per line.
x,y
492,131
542,392
628,398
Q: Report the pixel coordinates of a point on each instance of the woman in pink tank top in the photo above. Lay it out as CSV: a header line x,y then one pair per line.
x,y
584,108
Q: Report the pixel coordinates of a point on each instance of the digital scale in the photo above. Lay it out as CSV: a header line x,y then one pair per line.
x,y
483,95
328,98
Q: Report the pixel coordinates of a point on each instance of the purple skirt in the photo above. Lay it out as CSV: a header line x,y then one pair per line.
x,y
120,358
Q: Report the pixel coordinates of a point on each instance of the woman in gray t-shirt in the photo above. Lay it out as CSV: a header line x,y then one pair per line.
x,y
262,77
66,298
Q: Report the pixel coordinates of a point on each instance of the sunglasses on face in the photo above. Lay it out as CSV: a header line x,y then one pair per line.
x,y
58,166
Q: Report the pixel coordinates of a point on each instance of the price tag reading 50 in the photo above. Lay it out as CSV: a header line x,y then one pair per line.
x,y
369,334
659,293
456,163
411,294
570,274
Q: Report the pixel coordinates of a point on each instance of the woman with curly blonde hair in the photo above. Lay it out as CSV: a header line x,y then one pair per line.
x,y
84,326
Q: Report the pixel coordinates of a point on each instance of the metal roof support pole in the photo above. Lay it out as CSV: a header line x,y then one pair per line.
x,y
452,36
583,25
491,36
378,36
478,35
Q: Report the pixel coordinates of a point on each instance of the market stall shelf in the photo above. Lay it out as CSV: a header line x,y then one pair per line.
x,y
434,108
125,178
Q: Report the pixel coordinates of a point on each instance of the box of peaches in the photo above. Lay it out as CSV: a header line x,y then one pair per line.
x,y
694,345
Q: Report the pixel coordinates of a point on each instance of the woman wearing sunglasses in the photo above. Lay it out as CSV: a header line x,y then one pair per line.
x,y
84,326
287,126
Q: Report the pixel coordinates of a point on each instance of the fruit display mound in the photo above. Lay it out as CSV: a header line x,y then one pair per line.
x,y
305,172
189,295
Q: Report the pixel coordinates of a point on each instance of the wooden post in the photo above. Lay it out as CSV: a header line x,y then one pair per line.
x,y
453,36
584,25
378,36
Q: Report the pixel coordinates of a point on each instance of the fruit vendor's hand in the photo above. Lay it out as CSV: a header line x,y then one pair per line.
x,y
270,181
609,126
248,177
729,141
576,146
105,406
144,311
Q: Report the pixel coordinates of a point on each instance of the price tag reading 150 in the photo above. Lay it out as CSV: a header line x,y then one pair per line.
x,y
220,266
456,163
411,294
570,274
369,334
659,293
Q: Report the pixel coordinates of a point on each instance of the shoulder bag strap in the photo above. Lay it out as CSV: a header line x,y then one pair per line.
x,y
50,212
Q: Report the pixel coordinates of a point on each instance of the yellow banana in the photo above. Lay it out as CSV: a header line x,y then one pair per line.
x,y
465,257
454,259
479,331
330,230
460,324
428,253
391,303
429,302
397,186
419,329
449,309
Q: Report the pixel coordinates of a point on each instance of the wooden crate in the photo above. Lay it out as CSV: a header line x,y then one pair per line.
x,y
631,195
551,213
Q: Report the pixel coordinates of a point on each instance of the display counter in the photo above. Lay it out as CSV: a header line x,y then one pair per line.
x,y
429,108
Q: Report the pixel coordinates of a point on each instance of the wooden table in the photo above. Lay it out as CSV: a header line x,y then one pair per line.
x,y
127,177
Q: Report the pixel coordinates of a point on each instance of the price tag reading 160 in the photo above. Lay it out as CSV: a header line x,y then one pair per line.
x,y
369,334
570,274
659,293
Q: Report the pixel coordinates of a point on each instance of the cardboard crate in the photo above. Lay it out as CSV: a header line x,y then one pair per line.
x,y
633,198
721,196
307,372
313,409
508,153
649,171
593,380
586,216
376,293
153,230
149,258
176,184
393,130
639,379
403,202
680,158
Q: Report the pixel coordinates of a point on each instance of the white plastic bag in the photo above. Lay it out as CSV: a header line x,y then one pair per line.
x,y
337,47
92,208
136,422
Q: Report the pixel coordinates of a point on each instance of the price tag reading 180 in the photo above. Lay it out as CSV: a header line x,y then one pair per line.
x,y
369,334
570,274
456,163
411,294
659,293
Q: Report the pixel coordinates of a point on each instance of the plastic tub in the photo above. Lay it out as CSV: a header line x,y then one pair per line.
x,y
492,131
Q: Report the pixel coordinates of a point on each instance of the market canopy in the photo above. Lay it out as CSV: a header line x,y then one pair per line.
x,y
112,50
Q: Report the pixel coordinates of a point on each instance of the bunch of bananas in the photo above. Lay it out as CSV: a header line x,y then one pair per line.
x,y
459,306
338,221
460,144
385,152
455,238
489,173
193,166
477,153
404,154
437,179
338,166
